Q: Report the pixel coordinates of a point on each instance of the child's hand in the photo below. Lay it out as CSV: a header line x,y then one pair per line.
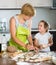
x,y
43,46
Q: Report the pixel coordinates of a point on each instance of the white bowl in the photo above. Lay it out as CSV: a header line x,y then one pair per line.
x,y
54,59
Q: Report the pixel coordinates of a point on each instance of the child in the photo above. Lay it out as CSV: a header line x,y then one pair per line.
x,y
43,39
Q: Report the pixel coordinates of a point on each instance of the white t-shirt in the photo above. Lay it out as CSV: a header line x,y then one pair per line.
x,y
43,39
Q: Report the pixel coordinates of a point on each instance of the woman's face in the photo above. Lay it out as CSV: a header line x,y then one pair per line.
x,y
27,17
41,27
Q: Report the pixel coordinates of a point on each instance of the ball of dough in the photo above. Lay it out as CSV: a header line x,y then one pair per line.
x,y
11,49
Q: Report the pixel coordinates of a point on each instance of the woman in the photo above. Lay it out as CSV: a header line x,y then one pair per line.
x,y
20,30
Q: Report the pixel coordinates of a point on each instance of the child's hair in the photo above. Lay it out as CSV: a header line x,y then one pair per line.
x,y
27,9
46,26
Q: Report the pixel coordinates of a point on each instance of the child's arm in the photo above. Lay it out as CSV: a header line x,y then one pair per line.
x,y
50,42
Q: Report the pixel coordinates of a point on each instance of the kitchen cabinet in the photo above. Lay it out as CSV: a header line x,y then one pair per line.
x,y
8,4
19,3
44,3
53,32
4,38
35,3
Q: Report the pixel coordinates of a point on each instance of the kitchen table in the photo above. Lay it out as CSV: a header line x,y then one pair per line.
x,y
11,62
8,61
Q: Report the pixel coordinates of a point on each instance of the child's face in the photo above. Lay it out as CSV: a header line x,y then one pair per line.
x,y
41,27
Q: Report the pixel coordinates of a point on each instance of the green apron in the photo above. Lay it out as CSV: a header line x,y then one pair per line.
x,y
21,34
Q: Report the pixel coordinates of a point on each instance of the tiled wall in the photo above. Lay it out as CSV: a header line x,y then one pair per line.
x,y
47,15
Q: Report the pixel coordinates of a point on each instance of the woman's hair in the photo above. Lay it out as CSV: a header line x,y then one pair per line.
x,y
27,9
46,26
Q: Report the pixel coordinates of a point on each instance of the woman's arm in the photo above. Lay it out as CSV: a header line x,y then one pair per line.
x,y
30,36
30,40
13,32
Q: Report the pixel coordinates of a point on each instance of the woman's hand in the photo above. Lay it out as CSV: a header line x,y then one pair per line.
x,y
36,49
30,47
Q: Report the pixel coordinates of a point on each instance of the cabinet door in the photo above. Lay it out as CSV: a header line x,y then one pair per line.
x,y
3,42
8,4
21,2
35,3
44,3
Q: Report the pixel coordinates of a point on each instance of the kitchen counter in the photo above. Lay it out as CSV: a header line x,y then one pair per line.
x,y
49,30
33,30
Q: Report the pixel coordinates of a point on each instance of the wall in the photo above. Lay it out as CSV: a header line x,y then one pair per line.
x,y
41,13
7,14
45,14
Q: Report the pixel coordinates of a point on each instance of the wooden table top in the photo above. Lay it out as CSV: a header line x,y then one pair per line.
x,y
8,61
